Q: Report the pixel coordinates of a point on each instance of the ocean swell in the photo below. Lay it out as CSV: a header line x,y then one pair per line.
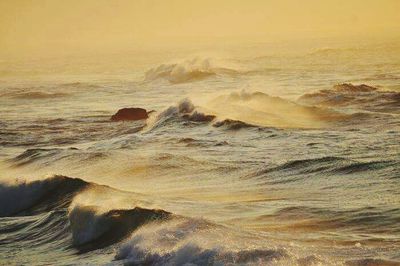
x,y
23,198
33,95
329,165
42,206
362,97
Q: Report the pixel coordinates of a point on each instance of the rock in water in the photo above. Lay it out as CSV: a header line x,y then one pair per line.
x,y
130,114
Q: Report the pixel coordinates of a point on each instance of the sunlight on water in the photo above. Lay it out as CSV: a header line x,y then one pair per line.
x,y
270,153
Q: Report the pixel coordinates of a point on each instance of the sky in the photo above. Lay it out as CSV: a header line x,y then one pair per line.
x,y
58,26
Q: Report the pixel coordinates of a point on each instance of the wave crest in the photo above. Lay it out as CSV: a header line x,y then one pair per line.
x,y
246,110
187,71
232,124
355,96
92,229
28,198
185,111
261,109
192,241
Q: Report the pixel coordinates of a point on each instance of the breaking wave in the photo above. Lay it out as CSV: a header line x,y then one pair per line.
x,y
92,229
48,204
184,111
23,198
195,242
187,71
261,109
49,216
249,110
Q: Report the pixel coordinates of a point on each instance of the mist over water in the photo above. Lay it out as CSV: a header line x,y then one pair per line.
x,y
251,156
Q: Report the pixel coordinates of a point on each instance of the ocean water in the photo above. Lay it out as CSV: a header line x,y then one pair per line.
x,y
251,157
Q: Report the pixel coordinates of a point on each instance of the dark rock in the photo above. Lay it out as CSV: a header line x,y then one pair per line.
x,y
130,114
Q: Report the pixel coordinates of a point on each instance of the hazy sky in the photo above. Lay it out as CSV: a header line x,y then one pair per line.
x,y
47,26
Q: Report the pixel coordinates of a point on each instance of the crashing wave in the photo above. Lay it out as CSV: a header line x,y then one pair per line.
x,y
199,117
246,110
194,242
46,201
355,96
156,237
187,71
184,111
92,229
261,109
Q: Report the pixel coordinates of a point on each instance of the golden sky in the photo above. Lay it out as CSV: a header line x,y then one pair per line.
x,y
83,25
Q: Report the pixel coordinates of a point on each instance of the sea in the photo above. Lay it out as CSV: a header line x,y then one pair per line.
x,y
262,154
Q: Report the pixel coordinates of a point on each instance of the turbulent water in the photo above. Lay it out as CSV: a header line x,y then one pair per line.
x,y
265,158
